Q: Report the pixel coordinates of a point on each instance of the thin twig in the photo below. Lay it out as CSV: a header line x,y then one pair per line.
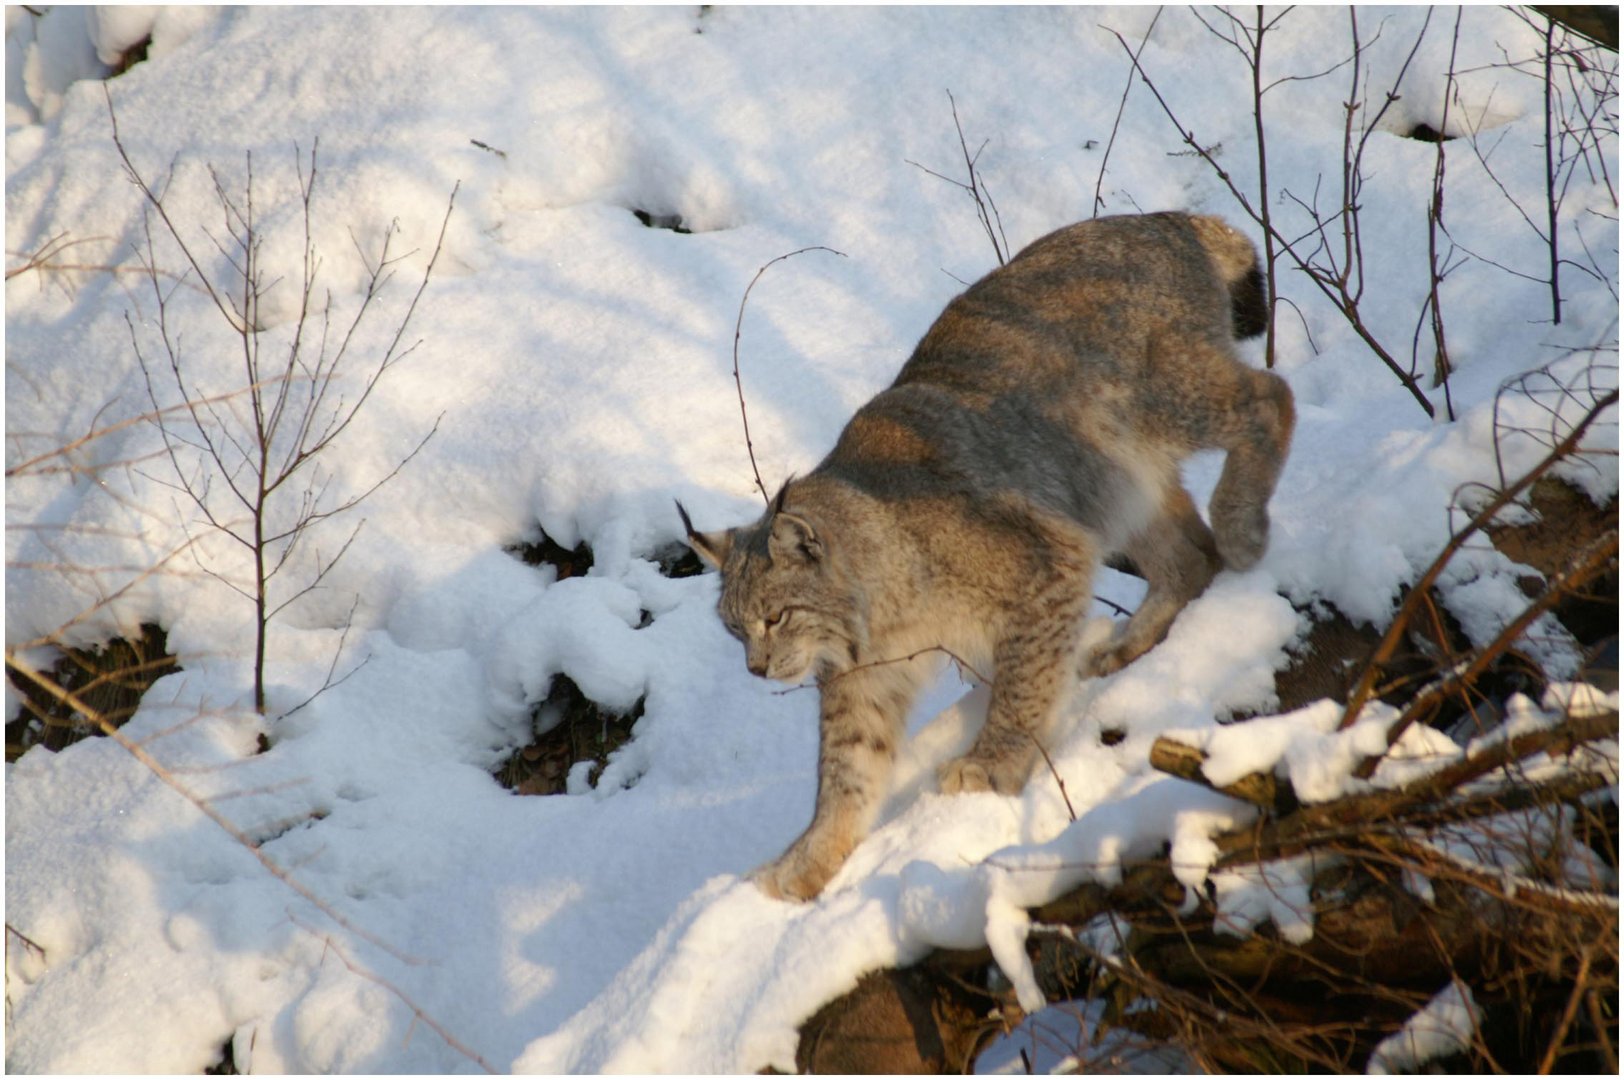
x,y
1054,772
1550,181
738,330
1122,104
418,1014
1435,215
97,433
960,661
982,197
1581,983
986,210
1269,254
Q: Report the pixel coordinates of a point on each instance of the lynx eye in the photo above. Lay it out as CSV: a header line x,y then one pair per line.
x,y
774,620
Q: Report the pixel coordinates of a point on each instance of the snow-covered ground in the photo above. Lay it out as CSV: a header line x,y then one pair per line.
x,y
580,368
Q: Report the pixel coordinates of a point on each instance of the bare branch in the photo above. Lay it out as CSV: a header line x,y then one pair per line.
x,y
1389,643
738,330
1122,104
417,1010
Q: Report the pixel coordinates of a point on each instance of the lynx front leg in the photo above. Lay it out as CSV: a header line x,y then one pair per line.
x,y
1034,661
863,713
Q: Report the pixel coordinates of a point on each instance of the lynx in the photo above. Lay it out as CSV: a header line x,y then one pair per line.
x,y
1035,432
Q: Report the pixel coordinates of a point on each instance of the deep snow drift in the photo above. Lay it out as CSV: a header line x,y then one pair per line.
x,y
579,367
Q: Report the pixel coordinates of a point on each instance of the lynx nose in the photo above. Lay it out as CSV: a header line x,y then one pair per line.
x,y
757,667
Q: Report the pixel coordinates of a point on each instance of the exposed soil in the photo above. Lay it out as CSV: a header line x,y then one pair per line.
x,y
109,679
568,727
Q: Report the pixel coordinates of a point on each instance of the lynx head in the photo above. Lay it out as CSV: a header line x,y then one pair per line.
x,y
785,594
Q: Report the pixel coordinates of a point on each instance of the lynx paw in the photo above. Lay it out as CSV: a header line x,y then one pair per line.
x,y
794,875
962,776
1109,658
965,775
1242,535
1104,661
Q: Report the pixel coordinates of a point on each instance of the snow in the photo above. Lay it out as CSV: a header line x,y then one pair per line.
x,y
1524,716
579,367
1446,1025
1276,892
1306,747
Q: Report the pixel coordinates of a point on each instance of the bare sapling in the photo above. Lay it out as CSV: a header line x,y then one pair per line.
x,y
1247,39
262,443
303,386
986,209
1439,266
1579,83
95,691
1340,278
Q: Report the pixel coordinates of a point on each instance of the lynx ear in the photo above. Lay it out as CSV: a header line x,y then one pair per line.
x,y
794,538
713,547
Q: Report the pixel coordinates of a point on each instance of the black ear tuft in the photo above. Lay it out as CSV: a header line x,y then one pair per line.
x,y
783,494
712,548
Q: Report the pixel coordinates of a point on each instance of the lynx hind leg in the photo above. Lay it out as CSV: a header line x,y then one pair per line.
x,y
1257,437
1178,557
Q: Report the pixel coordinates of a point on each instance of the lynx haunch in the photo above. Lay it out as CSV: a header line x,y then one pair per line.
x,y
1036,430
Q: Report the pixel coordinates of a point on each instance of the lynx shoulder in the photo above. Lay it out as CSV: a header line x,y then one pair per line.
x,y
1036,430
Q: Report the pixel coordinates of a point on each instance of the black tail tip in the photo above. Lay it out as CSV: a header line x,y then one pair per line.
x,y
1249,305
